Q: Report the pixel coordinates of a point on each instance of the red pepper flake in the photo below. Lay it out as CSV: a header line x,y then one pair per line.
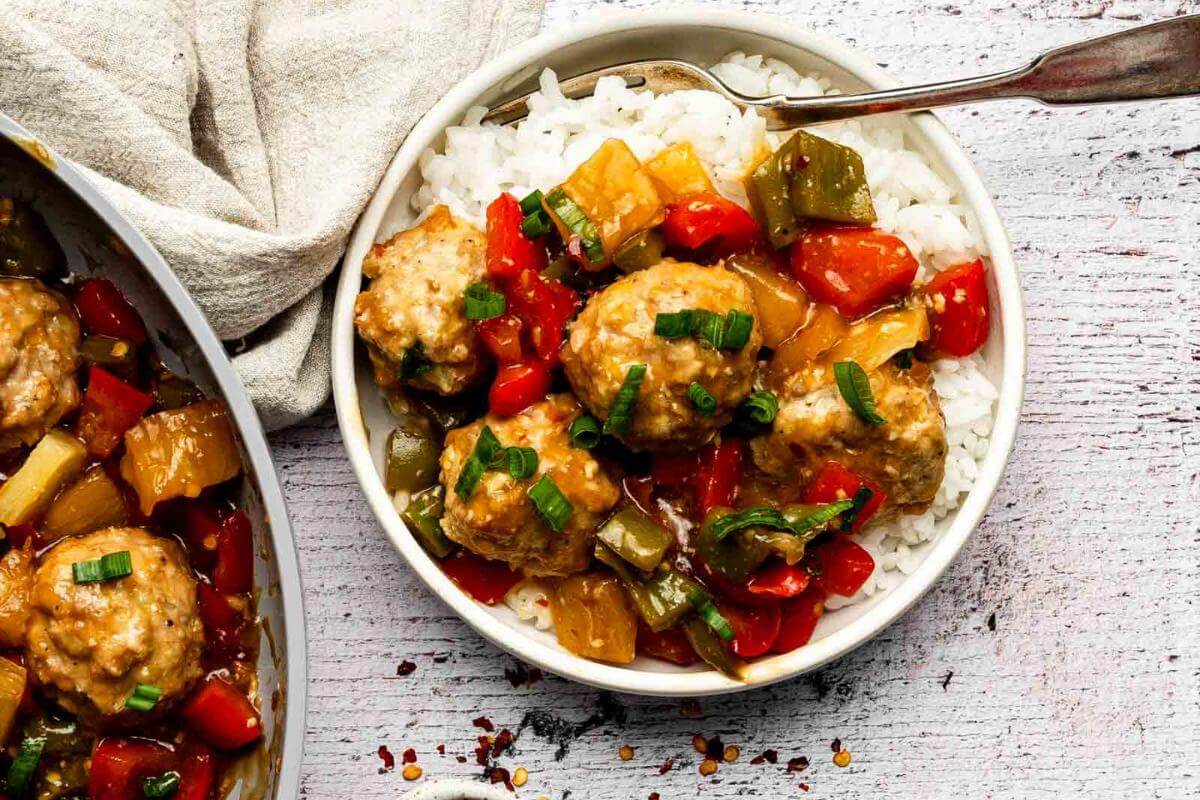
x,y
441,748
767,756
482,751
520,675
406,668
500,775
461,759
666,766
797,764
653,796
836,745
504,740
804,787
389,761
483,722
409,756
715,748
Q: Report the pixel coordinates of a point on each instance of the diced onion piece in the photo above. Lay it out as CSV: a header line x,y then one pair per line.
x,y
676,170
782,303
872,342
12,688
91,503
824,329
55,460
179,453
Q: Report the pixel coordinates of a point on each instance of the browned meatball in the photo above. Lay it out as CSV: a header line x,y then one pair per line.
x,y
39,354
90,644
906,456
499,521
616,331
413,314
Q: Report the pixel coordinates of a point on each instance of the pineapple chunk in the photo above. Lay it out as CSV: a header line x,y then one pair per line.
x,y
56,459
676,171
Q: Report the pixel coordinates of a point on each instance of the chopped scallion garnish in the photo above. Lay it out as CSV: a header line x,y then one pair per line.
x,y
620,413
537,224
554,508
486,447
531,202
855,386
414,362
585,432
20,772
106,568
707,611
761,407
820,516
738,325
483,302
767,517
731,332
859,502
161,787
521,462
702,399
144,697
576,221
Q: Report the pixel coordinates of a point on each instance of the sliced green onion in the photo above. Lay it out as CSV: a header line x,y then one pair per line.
x,y
702,399
819,517
576,221
106,568
858,503
482,302
537,224
761,407
521,462
673,324
486,447
620,413
532,202
855,386
707,611
20,772
550,503
585,432
903,359
161,787
757,517
738,325
414,362
144,697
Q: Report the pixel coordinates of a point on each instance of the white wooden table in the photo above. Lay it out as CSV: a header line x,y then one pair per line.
x,y
1058,657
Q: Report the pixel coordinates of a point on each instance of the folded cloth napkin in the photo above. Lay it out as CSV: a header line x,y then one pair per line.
x,y
244,137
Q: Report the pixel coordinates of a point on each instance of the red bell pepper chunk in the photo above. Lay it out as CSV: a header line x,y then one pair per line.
x,y
694,220
856,270
845,565
502,337
800,617
234,569
669,645
221,716
26,532
674,470
201,531
222,622
104,311
110,407
544,306
508,251
119,766
780,580
957,300
517,387
486,581
834,482
197,772
718,475
754,629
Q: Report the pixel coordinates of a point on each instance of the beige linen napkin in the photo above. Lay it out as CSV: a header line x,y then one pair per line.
x,y
244,137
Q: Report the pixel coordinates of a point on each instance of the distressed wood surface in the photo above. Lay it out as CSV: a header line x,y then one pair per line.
x,y
1058,657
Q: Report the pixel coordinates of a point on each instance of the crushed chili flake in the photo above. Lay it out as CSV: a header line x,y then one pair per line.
x,y
409,756
666,766
700,743
485,723
520,675
842,758
500,775
653,796
732,752
503,741
520,776
406,668
441,748
461,759
767,756
715,748
797,764
411,772
804,787
835,745
708,766
389,761
626,753
481,752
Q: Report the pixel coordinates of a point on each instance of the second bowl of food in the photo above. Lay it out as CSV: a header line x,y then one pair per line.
x,y
659,400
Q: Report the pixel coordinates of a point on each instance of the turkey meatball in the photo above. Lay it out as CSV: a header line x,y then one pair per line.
x,y
616,330
90,644
499,521
413,314
906,456
39,354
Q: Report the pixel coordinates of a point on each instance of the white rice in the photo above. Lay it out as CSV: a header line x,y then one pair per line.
x,y
911,199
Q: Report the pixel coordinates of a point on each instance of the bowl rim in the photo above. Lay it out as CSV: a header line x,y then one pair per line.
x,y
448,111
262,466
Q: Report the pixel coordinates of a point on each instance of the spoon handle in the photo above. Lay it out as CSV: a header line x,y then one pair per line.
x,y
1151,61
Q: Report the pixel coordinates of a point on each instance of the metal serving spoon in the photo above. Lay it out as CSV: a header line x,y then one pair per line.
x,y
1144,63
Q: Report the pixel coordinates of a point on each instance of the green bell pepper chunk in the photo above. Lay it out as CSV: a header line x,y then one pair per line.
x,y
661,600
27,247
640,251
710,648
736,555
636,538
410,457
423,516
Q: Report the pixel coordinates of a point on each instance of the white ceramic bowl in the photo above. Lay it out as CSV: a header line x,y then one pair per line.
x,y
703,37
